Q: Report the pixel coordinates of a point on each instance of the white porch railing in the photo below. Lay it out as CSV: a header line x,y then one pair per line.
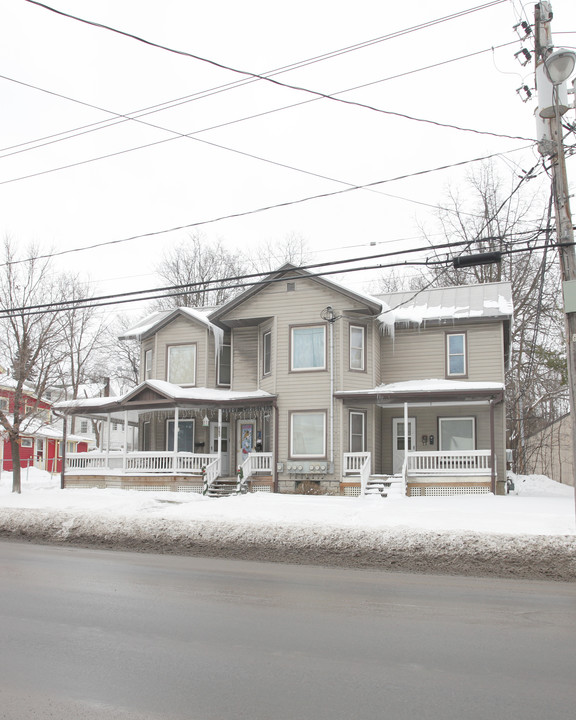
x,y
256,462
359,463
157,463
453,462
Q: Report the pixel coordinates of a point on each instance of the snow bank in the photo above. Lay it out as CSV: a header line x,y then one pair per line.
x,y
530,533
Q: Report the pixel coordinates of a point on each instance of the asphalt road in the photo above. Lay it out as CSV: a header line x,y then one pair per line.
x,y
91,634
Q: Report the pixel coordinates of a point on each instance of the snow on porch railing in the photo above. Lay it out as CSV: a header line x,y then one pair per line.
x,y
452,462
140,462
359,463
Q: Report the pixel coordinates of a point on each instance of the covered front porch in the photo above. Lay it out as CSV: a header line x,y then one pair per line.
x,y
189,439
432,437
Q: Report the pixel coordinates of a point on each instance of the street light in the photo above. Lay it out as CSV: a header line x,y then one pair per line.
x,y
560,65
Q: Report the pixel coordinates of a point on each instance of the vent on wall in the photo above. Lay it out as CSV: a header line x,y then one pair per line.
x,y
290,287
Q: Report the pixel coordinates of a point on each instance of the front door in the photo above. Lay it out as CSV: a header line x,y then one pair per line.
x,y
246,439
224,444
399,441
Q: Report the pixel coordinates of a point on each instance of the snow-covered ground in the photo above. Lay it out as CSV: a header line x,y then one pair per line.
x,y
537,506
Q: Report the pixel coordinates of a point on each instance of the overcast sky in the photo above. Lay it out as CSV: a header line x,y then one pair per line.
x,y
235,162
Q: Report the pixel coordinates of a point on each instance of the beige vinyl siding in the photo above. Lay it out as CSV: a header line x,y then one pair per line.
x,y
182,331
420,353
245,358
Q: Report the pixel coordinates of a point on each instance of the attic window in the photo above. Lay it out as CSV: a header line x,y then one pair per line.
x,y
290,287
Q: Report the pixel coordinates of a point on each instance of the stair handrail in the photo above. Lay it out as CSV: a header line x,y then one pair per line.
x,y
365,472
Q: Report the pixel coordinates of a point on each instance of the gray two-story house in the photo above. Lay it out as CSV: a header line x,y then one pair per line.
x,y
301,382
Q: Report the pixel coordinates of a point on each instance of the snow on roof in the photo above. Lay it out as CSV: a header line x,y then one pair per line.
x,y
169,390
202,393
150,323
447,303
431,385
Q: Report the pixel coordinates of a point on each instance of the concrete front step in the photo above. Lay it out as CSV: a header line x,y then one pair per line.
x,y
223,487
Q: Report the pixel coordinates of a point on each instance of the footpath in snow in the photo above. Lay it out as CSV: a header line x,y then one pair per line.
x,y
529,533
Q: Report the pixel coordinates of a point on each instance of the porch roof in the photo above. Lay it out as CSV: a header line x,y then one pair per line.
x,y
157,394
435,390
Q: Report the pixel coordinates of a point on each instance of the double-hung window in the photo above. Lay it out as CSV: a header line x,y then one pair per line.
x,y
308,434
147,364
456,360
357,347
267,353
308,348
182,364
225,365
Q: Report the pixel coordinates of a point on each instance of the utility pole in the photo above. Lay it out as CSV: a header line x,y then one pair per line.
x,y
552,104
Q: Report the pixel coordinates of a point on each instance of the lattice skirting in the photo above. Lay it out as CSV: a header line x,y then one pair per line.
x,y
445,490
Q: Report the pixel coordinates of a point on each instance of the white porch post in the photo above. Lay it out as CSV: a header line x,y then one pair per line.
x,y
176,420
406,431
125,441
220,441
492,450
108,440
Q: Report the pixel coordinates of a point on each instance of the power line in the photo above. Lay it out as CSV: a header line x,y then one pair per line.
x,y
251,278
287,85
255,211
135,115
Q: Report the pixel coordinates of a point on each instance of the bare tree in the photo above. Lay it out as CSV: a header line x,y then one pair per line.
x,y
123,367
496,218
30,341
209,269
271,255
83,331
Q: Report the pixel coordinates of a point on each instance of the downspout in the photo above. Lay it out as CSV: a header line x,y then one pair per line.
x,y
492,450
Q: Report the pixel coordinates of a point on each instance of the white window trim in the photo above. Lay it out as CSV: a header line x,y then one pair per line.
x,y
170,421
314,368
185,345
456,417
219,382
449,354
362,347
266,335
26,442
297,413
148,355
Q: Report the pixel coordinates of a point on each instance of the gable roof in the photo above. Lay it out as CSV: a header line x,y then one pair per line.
x,y
291,272
150,325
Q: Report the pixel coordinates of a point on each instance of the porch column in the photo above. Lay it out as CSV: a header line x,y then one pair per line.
x,y
107,439
220,441
64,433
125,441
176,420
492,450
406,432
